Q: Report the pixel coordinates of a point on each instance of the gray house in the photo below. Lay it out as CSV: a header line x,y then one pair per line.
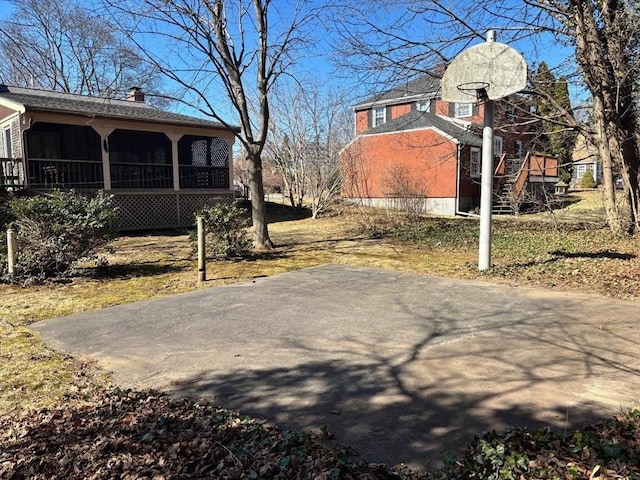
x,y
160,166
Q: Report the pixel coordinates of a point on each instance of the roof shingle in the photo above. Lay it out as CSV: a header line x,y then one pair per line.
x,y
419,119
43,100
427,85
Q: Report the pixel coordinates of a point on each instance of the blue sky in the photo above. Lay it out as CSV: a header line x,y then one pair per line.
x,y
316,62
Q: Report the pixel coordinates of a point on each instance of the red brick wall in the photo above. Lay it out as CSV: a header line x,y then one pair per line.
x,y
399,110
362,121
425,156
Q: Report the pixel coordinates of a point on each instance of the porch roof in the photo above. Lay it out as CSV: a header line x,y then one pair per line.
x,y
28,99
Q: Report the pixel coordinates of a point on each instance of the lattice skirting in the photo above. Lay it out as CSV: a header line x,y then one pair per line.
x,y
150,211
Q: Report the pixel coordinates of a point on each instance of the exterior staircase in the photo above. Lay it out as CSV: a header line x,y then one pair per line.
x,y
503,197
506,194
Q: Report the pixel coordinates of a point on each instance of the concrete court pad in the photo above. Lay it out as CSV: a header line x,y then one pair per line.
x,y
404,368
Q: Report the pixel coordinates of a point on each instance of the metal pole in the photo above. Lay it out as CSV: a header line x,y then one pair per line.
x,y
486,184
486,190
12,251
202,257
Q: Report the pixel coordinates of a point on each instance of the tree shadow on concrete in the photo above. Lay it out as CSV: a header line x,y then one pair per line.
x,y
418,403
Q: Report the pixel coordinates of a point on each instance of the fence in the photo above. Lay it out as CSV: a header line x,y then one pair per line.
x,y
11,173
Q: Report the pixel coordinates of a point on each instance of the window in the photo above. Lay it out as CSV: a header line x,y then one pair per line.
x,y
497,146
8,150
379,116
580,170
517,148
463,110
423,105
474,162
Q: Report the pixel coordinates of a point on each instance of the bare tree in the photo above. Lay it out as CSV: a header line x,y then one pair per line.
x,y
65,47
604,34
310,126
407,190
226,57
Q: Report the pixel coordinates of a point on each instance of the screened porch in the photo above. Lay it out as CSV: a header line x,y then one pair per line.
x,y
76,156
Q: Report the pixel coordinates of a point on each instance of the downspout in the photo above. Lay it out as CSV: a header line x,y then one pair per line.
x,y
25,149
458,164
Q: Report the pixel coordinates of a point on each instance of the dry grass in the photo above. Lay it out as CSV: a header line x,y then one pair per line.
x,y
148,266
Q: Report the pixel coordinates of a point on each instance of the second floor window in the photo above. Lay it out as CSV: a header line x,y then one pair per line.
x,y
379,116
463,110
423,105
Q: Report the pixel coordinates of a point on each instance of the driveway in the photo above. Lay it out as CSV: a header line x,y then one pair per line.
x,y
404,368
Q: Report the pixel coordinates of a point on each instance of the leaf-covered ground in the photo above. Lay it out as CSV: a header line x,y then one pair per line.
x,y
59,421
136,435
145,435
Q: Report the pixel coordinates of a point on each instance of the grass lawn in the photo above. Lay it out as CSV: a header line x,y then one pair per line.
x,y
574,250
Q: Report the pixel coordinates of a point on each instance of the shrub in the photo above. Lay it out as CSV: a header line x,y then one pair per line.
x,y
57,230
6,216
226,231
565,176
587,180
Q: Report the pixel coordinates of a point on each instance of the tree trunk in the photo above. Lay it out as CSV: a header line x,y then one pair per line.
x,y
261,240
601,53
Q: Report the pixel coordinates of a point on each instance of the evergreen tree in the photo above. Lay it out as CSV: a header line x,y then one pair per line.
x,y
554,137
587,180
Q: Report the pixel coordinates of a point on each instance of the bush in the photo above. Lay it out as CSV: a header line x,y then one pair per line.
x,y
6,215
57,230
587,180
226,231
565,176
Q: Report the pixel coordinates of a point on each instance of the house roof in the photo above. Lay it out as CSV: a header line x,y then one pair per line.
x,y
418,120
425,86
42,100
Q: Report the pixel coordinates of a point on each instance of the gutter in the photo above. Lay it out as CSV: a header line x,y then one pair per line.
x,y
395,101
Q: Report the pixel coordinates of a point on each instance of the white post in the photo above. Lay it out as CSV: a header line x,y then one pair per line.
x,y
486,187
202,257
12,251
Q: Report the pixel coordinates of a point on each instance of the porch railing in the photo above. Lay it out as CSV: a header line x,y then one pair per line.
x,y
204,177
48,173
11,173
141,176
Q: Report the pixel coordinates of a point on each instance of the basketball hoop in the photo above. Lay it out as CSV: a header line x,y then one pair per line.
x,y
492,67
475,89
488,71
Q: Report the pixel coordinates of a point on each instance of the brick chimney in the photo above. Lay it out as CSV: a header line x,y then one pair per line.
x,y
135,95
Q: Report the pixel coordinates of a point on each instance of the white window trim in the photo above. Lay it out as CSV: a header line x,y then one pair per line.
x,y
377,123
475,167
461,110
7,142
424,105
497,145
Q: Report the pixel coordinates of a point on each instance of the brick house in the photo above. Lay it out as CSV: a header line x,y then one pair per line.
x,y
160,166
414,150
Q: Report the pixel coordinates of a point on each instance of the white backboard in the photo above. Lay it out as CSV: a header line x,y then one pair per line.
x,y
496,67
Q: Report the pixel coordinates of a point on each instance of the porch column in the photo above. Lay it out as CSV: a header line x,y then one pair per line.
x,y
104,133
230,149
175,137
